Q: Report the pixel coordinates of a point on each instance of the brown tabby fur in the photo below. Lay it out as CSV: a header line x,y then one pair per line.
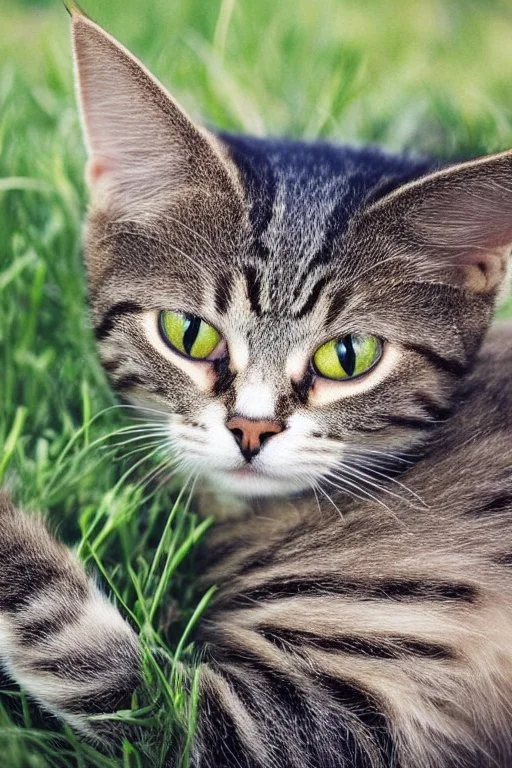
x,y
364,616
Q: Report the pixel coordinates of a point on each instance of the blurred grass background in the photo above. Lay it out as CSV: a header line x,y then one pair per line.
x,y
431,76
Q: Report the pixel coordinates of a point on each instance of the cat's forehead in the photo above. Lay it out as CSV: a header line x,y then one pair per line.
x,y
301,198
275,269
301,195
278,254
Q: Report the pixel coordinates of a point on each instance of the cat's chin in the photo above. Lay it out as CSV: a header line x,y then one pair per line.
x,y
242,483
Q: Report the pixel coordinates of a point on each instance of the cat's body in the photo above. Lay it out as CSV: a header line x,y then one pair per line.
x,y
307,322
378,636
375,637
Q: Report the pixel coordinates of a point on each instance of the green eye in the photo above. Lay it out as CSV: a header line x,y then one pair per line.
x,y
347,356
188,334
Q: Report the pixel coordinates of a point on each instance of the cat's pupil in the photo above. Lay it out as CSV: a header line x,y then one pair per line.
x,y
191,327
346,354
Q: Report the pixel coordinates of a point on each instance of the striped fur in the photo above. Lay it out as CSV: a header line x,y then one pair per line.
x,y
281,245
60,638
380,638
365,628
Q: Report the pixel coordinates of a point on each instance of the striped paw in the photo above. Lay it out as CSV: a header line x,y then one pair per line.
x,y
60,638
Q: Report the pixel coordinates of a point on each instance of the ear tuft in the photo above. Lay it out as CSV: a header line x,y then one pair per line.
x,y
73,8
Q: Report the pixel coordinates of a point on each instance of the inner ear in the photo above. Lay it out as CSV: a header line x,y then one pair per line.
x,y
96,168
485,272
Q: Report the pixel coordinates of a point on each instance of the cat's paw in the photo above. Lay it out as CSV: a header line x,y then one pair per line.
x,y
33,564
60,638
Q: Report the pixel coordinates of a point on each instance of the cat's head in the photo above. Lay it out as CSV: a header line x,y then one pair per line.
x,y
289,322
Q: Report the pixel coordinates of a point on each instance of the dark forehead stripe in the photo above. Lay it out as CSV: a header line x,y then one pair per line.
x,y
301,198
365,187
348,177
338,302
222,292
336,225
253,289
313,297
258,179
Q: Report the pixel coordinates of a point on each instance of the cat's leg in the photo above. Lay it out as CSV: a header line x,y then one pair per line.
x,y
60,638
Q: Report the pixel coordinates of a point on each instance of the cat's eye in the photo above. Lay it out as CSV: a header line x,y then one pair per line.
x,y
188,334
347,356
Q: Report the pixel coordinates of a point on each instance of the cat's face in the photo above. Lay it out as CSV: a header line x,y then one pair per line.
x,y
288,326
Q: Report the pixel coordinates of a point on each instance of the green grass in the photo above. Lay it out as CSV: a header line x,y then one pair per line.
x,y
432,76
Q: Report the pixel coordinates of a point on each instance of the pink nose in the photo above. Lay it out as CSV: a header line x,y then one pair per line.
x,y
250,435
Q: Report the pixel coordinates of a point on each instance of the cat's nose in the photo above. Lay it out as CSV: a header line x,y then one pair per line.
x,y
250,434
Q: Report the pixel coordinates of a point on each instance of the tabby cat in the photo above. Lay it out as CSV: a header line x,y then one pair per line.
x,y
308,323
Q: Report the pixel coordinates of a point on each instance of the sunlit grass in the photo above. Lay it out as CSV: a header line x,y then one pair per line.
x,y
432,76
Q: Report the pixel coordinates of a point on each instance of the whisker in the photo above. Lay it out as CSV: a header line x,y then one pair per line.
x,y
137,438
313,486
390,456
324,492
141,448
164,464
373,471
377,486
345,490
144,408
339,447
194,232
366,494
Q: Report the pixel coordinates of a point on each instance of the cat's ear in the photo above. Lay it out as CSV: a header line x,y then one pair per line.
x,y
457,222
144,151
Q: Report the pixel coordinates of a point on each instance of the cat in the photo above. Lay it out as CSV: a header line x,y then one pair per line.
x,y
311,322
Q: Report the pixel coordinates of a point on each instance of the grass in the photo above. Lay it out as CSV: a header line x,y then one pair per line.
x,y
428,76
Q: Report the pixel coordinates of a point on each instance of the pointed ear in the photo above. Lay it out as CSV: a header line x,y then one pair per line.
x,y
458,221
144,151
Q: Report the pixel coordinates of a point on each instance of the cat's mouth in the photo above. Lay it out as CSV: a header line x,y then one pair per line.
x,y
273,470
250,481
245,471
